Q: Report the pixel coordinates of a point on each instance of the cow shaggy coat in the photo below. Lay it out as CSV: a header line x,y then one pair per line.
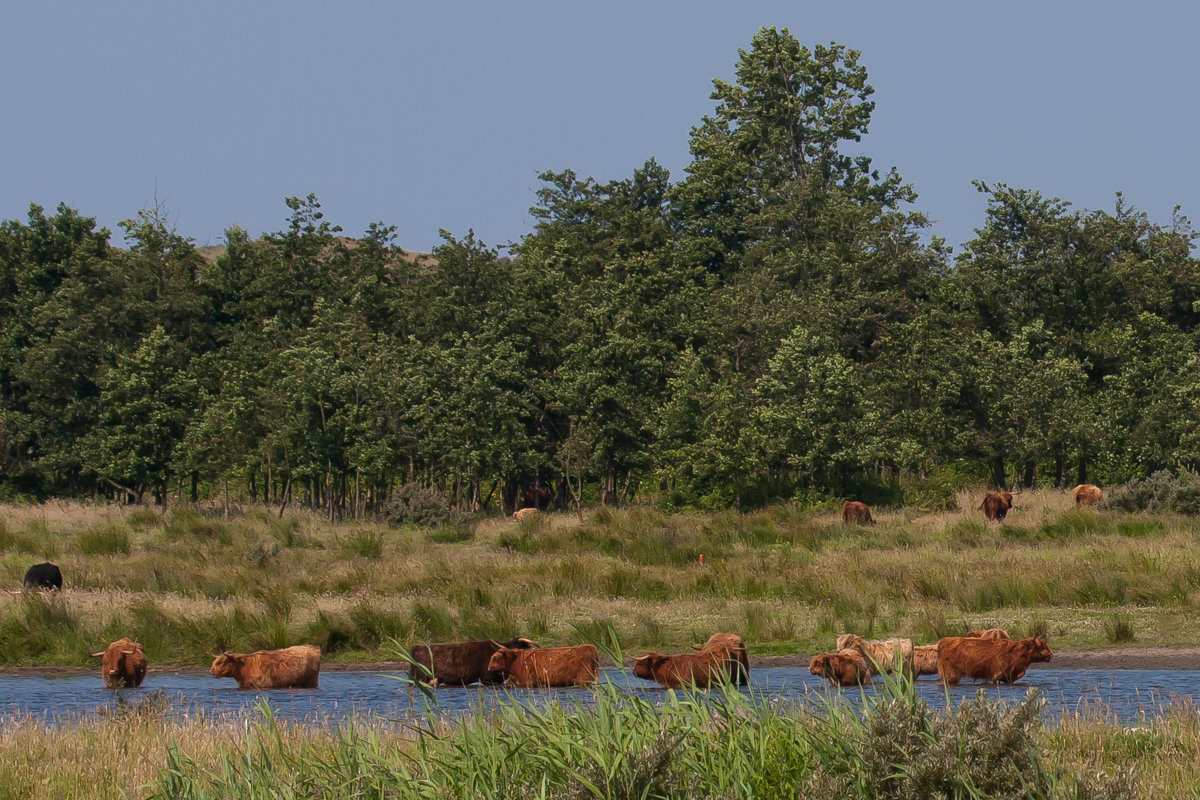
x,y
124,664
996,505
990,633
460,663
881,656
702,670
44,576
925,660
296,667
991,660
553,666
731,650
853,512
843,668
524,512
1087,495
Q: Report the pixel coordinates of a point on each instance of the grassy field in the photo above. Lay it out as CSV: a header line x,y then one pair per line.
x,y
188,583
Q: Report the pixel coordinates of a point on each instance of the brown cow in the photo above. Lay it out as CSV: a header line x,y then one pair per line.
x,y
880,655
537,498
124,664
853,512
296,667
732,650
991,660
553,666
925,660
701,670
524,512
996,505
1087,494
843,668
990,633
460,663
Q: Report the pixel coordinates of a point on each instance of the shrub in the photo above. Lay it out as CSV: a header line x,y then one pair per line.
x,y
1159,493
414,504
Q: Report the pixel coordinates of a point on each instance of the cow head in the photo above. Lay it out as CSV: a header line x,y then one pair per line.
x,y
1038,650
819,665
645,665
223,665
502,660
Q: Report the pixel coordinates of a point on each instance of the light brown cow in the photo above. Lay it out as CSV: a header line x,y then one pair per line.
x,y
853,512
996,505
989,633
524,512
702,670
880,655
124,664
843,668
552,666
925,660
732,651
296,667
1087,494
991,660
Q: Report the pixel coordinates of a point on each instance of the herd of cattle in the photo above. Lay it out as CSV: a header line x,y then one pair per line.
x,y
995,505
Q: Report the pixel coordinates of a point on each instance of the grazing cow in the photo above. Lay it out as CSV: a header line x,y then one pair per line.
x,y
925,660
536,498
460,663
991,660
880,655
731,649
996,505
853,512
296,667
990,633
44,576
1087,495
553,666
124,664
701,669
522,513
843,668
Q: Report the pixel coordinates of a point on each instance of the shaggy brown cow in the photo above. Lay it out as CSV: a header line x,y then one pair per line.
x,y
553,666
843,668
701,670
989,633
991,660
925,660
460,663
732,651
522,513
124,664
880,655
1087,495
296,667
996,505
536,498
856,513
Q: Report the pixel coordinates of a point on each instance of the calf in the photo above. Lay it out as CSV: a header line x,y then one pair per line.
x,y
853,512
991,660
843,668
296,667
460,663
1087,494
553,666
990,633
731,649
996,505
881,656
124,664
44,576
701,669
524,512
925,660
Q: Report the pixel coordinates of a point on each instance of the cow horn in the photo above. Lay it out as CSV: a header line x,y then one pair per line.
x,y
529,642
112,671
643,658
128,652
96,655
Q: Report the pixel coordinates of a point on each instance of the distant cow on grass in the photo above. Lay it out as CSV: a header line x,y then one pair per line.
x,y
44,576
522,513
552,666
991,660
731,649
1087,495
989,633
843,668
881,656
856,513
296,667
925,660
124,664
996,505
460,663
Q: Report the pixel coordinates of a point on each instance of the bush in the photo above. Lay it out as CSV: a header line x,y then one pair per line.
x,y
414,504
1118,630
1161,493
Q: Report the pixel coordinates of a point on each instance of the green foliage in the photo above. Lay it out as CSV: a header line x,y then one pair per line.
x,y
104,540
1159,493
1118,630
414,504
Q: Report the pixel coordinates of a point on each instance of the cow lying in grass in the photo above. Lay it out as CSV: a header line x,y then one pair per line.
x,y
991,660
296,667
124,664
843,668
552,666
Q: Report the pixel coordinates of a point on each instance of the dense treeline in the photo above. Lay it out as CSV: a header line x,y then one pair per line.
x,y
776,323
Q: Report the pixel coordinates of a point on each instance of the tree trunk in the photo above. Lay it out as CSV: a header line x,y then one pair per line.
x,y
1060,469
1030,474
999,476
1082,473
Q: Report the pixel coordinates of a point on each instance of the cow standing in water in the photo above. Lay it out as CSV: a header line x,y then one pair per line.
x,y
553,666
460,663
124,664
991,660
296,667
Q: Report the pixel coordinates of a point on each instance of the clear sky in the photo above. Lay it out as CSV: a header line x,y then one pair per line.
x,y
440,114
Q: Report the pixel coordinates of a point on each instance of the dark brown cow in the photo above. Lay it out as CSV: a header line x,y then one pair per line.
x,y
1087,494
460,663
731,649
843,668
537,498
124,664
989,633
925,660
553,666
991,660
701,670
296,667
853,512
996,505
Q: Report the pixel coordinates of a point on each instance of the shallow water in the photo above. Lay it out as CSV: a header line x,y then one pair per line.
x,y
1125,693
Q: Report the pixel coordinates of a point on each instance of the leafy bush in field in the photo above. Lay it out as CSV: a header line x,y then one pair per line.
x,y
1159,493
414,504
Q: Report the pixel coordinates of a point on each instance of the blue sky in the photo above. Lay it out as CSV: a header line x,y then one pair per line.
x,y
440,115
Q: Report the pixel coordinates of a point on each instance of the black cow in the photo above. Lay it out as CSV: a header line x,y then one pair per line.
x,y
461,663
44,576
